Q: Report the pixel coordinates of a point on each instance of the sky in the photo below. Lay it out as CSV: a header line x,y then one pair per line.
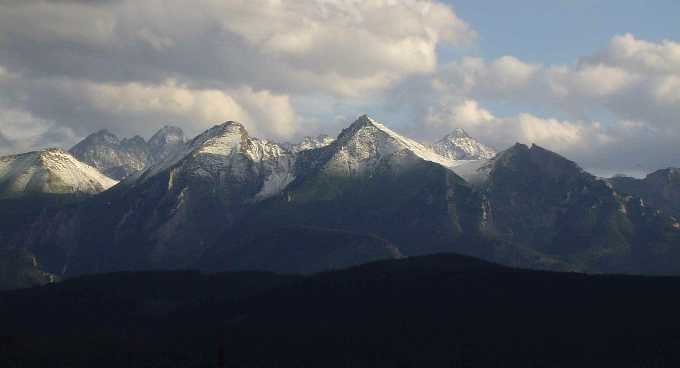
x,y
596,81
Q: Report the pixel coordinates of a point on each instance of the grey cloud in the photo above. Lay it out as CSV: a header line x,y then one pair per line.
x,y
292,46
286,69
5,144
207,59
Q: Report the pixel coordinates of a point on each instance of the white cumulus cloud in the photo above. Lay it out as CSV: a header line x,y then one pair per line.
x,y
132,66
619,108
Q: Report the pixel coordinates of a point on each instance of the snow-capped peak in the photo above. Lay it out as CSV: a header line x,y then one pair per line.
x,y
222,150
275,165
458,145
49,171
367,139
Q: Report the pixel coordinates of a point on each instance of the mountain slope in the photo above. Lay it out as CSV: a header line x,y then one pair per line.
x,y
50,171
458,145
548,204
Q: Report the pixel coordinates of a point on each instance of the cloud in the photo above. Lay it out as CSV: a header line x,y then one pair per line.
x,y
619,108
138,107
342,47
20,132
131,65
632,79
502,77
644,56
564,136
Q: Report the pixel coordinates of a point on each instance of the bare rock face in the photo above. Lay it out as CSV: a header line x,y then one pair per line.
x,y
120,158
227,200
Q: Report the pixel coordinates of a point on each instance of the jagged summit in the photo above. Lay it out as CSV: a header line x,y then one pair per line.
x,y
168,133
458,145
165,142
101,136
217,130
120,158
51,171
220,139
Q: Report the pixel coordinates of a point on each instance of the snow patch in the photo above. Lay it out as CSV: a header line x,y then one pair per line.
x,y
458,145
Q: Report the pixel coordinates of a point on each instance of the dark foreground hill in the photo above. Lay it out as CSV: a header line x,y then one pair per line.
x,y
431,311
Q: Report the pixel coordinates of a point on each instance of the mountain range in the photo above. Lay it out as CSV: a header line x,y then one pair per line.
x,y
227,201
